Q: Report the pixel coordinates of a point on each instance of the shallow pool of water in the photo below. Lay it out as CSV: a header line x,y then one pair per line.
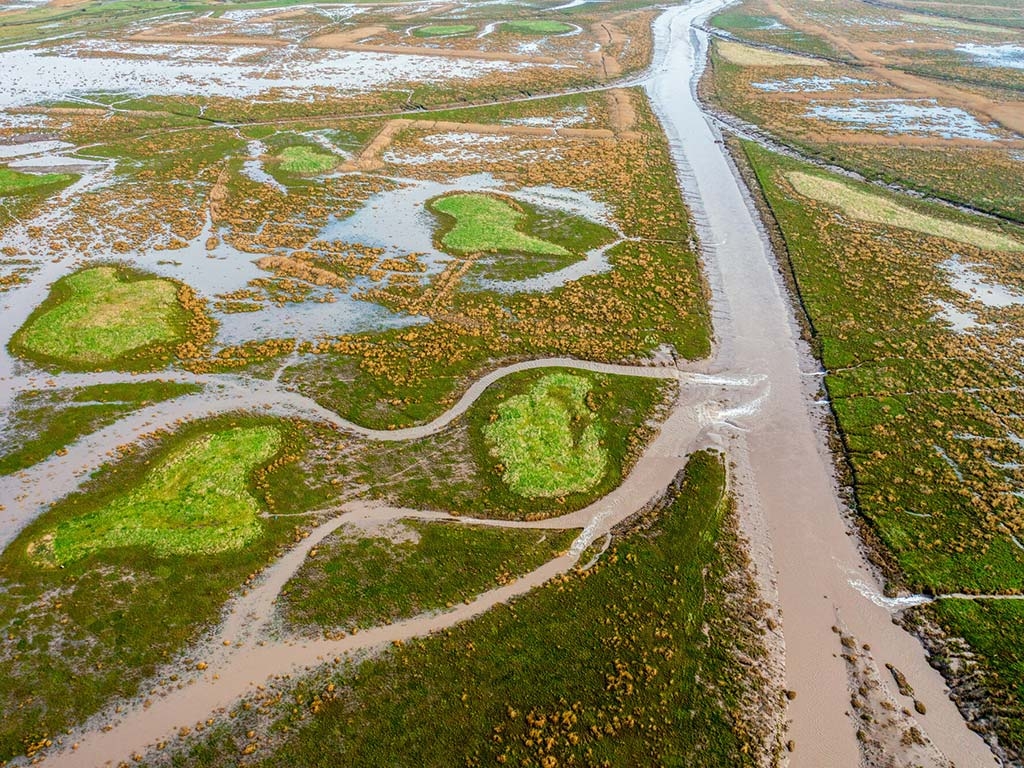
x,y
104,66
905,116
808,84
1008,55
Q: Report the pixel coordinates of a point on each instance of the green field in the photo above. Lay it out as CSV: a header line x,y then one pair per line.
x,y
194,502
103,317
444,30
859,203
306,160
548,440
537,27
360,582
457,470
484,223
634,662
92,630
16,183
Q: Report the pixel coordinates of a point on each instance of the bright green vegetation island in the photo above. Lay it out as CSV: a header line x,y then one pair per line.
x,y
444,30
548,440
486,223
104,317
535,444
145,538
195,501
17,183
537,27
306,161
643,668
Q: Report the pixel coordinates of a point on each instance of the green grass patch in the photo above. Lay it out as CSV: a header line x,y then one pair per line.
x,y
457,470
548,440
633,663
537,27
102,317
574,234
859,203
485,223
361,582
306,161
195,501
16,183
44,422
444,30
76,637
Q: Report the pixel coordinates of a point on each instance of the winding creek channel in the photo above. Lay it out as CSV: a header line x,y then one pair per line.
x,y
755,399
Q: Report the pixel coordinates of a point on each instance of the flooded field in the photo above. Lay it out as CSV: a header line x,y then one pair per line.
x,y
359,342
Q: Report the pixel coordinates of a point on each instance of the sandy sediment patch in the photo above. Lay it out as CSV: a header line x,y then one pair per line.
x,y
280,16
611,38
346,37
431,10
749,56
622,113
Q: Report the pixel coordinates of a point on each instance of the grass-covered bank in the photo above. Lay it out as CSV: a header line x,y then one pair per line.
x,y
44,422
976,645
635,662
412,567
110,317
91,630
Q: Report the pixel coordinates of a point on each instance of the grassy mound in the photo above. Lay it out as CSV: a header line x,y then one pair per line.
x,y
367,581
306,160
444,30
485,223
456,470
16,183
549,440
537,27
100,316
195,501
876,209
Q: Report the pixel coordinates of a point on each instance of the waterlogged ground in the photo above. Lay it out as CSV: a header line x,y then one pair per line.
x,y
242,247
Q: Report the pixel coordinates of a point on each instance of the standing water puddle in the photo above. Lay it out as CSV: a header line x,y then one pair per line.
x,y
905,116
